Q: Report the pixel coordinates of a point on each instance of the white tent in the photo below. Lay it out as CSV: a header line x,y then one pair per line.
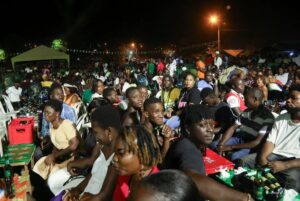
x,y
40,53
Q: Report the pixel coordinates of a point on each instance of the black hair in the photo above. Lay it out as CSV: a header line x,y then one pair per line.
x,y
97,102
255,93
73,90
187,73
234,81
107,91
55,104
168,76
106,116
164,186
294,87
95,85
207,92
54,86
196,113
142,86
150,101
129,91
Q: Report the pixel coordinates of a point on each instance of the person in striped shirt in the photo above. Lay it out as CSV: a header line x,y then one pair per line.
x,y
247,133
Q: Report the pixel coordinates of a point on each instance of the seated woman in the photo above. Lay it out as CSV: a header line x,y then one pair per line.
x,y
72,96
182,154
136,156
106,127
261,83
186,155
79,168
63,136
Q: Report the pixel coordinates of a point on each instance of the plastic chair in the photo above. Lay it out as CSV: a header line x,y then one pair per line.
x,y
77,107
82,125
80,121
3,132
4,119
9,107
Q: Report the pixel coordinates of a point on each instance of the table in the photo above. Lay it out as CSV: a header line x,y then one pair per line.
x,y
20,155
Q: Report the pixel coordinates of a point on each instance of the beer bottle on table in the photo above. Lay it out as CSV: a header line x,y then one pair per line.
x,y
259,193
273,180
9,183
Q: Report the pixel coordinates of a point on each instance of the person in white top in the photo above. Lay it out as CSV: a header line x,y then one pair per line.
x,y
97,89
281,151
218,60
282,76
106,126
14,95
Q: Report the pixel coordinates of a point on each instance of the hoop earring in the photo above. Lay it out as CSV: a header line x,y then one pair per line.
x,y
142,172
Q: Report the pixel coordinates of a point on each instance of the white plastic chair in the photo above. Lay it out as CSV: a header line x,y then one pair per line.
x,y
80,121
4,119
3,132
9,107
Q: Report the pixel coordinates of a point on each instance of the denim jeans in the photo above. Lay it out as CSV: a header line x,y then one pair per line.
x,y
237,154
173,122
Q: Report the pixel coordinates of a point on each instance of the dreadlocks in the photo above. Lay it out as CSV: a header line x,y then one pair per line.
x,y
142,143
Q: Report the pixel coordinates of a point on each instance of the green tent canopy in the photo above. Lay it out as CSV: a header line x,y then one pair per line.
x,y
40,53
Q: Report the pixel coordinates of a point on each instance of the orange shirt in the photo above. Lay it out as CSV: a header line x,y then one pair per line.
x,y
70,100
201,68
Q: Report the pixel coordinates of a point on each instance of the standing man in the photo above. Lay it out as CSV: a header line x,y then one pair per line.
x,y
218,60
14,95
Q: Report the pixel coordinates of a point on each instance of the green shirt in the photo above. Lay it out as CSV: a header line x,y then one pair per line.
x,y
151,68
87,96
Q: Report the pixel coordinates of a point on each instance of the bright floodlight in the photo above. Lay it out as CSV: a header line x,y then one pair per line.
x,y
133,45
213,19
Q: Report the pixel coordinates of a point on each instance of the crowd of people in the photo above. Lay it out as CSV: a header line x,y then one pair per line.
x,y
139,131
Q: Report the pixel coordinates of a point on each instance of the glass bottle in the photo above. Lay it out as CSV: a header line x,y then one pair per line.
x,y
259,190
9,183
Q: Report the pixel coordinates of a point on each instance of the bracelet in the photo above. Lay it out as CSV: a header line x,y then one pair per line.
x,y
248,196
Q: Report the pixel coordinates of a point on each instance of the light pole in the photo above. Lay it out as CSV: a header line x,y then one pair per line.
x,y
215,20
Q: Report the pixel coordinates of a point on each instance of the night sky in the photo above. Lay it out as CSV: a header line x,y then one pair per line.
x,y
90,23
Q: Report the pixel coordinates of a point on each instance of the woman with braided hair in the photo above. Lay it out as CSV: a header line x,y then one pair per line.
x,y
136,156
